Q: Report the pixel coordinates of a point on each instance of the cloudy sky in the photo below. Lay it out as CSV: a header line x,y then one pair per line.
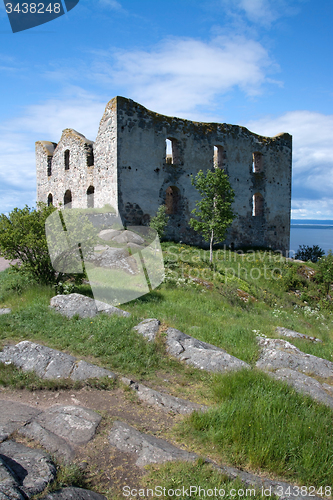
x,y
263,64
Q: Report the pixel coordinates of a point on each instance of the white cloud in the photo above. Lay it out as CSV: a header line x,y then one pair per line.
x,y
312,157
261,12
184,73
112,4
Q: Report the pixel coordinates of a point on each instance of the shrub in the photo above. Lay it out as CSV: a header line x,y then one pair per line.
x,y
306,253
160,221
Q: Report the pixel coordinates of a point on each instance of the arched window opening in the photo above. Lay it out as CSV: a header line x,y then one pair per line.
x,y
66,155
219,157
257,164
257,205
171,151
49,200
90,159
49,166
90,196
68,198
172,200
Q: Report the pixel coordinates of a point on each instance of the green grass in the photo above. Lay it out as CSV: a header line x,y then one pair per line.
x,y
263,424
259,423
174,476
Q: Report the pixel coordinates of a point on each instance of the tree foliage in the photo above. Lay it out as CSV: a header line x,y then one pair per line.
x,y
160,221
213,213
22,237
325,271
306,253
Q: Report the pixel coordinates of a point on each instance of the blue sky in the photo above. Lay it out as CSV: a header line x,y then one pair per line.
x,y
263,64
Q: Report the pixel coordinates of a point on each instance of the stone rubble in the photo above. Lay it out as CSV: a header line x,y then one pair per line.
x,y
200,354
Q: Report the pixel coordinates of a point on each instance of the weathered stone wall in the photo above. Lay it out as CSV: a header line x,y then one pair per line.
x,y
133,173
144,174
76,179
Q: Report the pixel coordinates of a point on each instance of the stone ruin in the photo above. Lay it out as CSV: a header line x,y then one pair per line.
x,y
142,159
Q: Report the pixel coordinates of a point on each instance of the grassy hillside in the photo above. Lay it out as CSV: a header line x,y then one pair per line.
x,y
257,423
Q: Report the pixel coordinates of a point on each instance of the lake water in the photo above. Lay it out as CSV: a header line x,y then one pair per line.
x,y
311,232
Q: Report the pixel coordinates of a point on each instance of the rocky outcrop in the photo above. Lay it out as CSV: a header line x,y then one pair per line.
x,y
148,449
61,429
163,401
305,384
24,471
148,328
74,494
76,304
278,353
49,363
284,332
283,361
200,354
5,310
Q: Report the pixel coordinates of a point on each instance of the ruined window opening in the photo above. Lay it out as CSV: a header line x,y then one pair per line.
x,y
90,196
49,166
219,157
66,155
257,205
257,164
49,200
90,158
68,197
171,151
172,200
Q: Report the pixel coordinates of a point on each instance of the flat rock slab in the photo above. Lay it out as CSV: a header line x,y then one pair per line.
x,y
61,429
305,384
31,470
74,304
72,493
85,307
102,307
13,415
284,332
278,353
200,354
270,485
148,449
8,484
148,328
6,310
49,363
163,401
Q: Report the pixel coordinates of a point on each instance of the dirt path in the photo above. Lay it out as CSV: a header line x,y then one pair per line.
x,y
106,467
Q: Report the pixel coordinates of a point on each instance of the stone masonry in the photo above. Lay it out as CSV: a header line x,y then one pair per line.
x,y
142,159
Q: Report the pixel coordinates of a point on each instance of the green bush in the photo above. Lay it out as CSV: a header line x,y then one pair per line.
x,y
306,253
